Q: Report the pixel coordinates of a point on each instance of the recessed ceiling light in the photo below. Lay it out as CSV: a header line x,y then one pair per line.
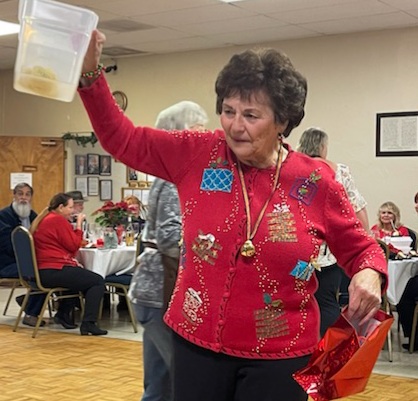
x,y
230,1
8,28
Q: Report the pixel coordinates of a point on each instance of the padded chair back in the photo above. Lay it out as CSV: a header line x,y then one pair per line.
x,y
385,248
27,267
413,235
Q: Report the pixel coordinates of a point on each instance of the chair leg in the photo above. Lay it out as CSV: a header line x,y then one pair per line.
x,y
100,310
22,308
414,330
390,347
12,290
386,307
130,310
81,298
41,314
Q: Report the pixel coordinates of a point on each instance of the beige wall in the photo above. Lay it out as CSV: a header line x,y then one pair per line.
x,y
350,77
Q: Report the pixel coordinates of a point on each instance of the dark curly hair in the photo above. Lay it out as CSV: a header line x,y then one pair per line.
x,y
270,71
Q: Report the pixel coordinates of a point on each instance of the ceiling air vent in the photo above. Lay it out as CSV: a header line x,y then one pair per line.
x,y
123,25
118,51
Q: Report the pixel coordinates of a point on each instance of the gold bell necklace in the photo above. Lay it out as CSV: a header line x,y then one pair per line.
x,y
248,249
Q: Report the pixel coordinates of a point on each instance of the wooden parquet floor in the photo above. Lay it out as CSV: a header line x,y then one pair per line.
x,y
57,366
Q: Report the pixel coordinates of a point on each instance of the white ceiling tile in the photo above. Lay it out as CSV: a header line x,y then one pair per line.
x,y
401,4
144,7
267,35
232,25
334,12
266,6
368,23
217,12
145,36
170,46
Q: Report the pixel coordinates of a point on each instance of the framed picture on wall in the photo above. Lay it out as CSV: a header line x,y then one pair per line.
x,y
93,186
133,178
105,165
397,134
93,163
141,193
106,190
80,163
81,185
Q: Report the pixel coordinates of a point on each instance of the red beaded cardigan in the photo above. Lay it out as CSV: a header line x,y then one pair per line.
x,y
260,307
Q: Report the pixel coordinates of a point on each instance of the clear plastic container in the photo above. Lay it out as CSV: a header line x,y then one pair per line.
x,y
53,41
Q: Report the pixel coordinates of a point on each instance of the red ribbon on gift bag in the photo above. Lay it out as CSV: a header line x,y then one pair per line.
x,y
343,361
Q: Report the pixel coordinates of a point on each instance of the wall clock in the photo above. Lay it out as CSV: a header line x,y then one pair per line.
x,y
121,99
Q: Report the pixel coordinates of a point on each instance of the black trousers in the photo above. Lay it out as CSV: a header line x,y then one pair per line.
x,y
203,375
406,307
329,280
77,279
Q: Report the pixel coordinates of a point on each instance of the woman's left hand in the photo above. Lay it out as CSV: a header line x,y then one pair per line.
x,y
364,295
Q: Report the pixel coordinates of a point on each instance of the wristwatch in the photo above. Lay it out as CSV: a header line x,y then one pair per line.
x,y
121,99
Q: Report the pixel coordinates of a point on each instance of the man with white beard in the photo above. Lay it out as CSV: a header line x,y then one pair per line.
x,y
19,213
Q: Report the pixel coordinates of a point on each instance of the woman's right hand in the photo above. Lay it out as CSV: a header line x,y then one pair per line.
x,y
94,51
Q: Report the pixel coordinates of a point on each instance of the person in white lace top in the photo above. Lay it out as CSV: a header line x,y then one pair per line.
x,y
331,278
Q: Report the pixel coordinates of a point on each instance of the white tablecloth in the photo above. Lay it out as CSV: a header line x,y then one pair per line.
x,y
108,261
400,271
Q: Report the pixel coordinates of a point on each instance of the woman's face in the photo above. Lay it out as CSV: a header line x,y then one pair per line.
x,y
416,206
68,210
251,130
386,216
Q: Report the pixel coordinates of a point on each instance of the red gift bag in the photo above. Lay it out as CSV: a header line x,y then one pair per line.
x,y
344,359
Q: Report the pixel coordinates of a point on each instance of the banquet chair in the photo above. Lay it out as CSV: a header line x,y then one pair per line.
x,y
14,283
120,282
385,248
27,267
385,305
413,235
414,328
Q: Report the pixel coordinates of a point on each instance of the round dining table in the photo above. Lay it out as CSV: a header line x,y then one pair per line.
x,y
105,262
399,272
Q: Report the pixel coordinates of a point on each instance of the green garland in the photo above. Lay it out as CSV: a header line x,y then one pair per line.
x,y
82,140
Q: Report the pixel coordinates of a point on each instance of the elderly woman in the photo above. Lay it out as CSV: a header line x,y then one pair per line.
x,y
154,278
314,143
56,244
389,225
254,216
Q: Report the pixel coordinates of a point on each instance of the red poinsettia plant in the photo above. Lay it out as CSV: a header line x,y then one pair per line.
x,y
112,214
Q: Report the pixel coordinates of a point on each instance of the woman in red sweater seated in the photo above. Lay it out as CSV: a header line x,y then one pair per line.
x,y
56,244
389,224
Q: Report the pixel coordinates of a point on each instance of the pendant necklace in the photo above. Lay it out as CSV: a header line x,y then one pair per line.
x,y
248,249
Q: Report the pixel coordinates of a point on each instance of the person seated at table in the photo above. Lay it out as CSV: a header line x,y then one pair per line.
x,y
406,307
56,244
331,277
140,213
389,225
78,200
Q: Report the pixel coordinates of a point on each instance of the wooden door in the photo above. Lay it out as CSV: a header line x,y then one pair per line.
x,y
42,157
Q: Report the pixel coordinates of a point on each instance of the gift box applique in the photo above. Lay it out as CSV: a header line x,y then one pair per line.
x,y
304,189
217,177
